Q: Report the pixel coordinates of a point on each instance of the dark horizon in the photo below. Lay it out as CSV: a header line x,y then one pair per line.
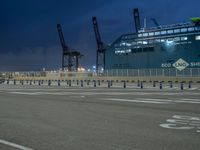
x,y
29,40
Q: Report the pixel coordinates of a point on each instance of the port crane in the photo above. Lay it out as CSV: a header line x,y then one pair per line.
x,y
70,57
101,48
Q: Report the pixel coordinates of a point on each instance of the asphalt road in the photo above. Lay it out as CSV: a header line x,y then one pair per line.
x,y
63,118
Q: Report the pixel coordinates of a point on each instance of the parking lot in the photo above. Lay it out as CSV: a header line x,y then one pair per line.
x,y
34,117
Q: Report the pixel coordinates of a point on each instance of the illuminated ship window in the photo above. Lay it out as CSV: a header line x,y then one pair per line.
x,y
184,38
139,35
122,44
157,40
145,34
170,39
125,44
170,31
177,31
157,33
177,39
162,40
151,34
184,30
128,51
145,42
139,42
163,32
197,37
122,51
191,29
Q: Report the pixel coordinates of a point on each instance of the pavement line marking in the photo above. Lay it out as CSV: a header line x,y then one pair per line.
x,y
25,93
15,145
187,99
192,102
162,100
137,101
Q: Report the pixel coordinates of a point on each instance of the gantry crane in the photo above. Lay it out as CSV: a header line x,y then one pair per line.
x,y
101,48
70,57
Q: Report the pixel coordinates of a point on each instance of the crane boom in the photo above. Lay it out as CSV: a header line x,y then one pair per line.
x,y
66,50
97,34
62,39
101,48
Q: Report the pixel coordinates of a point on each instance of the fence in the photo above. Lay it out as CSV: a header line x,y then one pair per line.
x,y
44,74
170,72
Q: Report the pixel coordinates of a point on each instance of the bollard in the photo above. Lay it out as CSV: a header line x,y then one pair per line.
x,y
81,83
138,84
14,82
141,85
111,83
171,85
108,84
161,85
77,82
49,82
190,85
99,83
154,84
124,84
70,83
58,82
88,82
95,83
181,85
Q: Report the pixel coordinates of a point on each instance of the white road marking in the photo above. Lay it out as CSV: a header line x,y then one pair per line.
x,y
15,145
182,122
183,117
25,93
187,99
174,126
153,99
77,96
142,100
192,102
137,101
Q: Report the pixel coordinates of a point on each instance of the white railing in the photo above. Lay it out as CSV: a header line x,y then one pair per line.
x,y
170,72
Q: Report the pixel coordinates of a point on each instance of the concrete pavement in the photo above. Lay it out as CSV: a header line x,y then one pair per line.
x,y
74,118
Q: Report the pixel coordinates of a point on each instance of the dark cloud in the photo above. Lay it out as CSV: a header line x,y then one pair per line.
x,y
31,59
29,39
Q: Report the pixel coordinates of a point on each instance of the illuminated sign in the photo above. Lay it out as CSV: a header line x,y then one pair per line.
x,y
180,64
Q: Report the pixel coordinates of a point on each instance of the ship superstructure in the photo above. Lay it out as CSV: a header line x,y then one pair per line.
x,y
169,46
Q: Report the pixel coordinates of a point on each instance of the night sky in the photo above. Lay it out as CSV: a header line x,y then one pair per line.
x,y
29,38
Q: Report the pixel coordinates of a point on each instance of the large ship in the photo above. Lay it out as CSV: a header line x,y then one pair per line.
x,y
174,46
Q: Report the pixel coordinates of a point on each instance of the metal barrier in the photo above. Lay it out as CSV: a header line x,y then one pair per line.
x,y
173,72
140,84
